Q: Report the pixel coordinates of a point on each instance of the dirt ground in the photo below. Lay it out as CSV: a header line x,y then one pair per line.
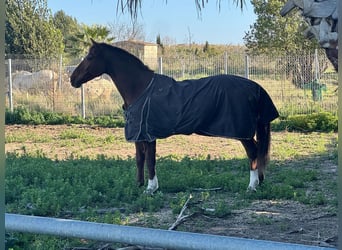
x,y
285,221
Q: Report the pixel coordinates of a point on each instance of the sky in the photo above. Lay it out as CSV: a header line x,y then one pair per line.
x,y
176,19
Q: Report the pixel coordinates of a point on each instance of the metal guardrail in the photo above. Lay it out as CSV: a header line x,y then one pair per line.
x,y
140,236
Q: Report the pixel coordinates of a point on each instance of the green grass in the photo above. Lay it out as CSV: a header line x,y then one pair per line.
x,y
36,185
80,187
110,182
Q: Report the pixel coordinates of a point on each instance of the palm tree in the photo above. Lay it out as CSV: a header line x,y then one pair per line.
x,y
81,40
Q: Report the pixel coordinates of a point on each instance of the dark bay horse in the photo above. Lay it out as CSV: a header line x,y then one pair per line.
x,y
156,106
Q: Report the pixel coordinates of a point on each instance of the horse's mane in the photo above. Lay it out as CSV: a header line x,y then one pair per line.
x,y
123,53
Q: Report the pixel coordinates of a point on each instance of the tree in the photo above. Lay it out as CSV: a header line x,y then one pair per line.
x,y
274,34
68,26
77,36
30,29
206,47
124,31
81,40
159,42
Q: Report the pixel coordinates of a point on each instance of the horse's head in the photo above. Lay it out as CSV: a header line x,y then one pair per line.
x,y
92,66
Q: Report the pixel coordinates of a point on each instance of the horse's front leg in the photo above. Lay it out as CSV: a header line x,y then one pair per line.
x,y
140,161
151,164
251,150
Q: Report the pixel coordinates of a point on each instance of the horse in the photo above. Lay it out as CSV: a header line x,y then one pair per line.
x,y
156,107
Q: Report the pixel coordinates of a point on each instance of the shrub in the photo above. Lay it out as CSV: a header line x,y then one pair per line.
x,y
23,115
321,122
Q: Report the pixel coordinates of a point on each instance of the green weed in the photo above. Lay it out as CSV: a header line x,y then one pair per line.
x,y
82,187
262,220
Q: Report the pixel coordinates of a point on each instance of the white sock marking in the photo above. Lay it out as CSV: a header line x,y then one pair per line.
x,y
152,185
253,180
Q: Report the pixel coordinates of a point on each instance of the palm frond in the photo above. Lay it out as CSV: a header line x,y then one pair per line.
x,y
133,6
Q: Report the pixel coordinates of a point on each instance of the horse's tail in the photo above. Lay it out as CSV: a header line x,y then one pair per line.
x,y
263,136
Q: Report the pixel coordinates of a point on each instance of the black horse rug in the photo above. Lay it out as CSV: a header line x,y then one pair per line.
x,y
224,105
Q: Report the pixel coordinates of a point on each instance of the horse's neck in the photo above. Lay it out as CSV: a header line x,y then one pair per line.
x,y
130,88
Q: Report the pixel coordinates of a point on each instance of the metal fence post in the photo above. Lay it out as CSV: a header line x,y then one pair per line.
x,y
226,62
247,66
160,64
60,72
316,65
10,85
83,102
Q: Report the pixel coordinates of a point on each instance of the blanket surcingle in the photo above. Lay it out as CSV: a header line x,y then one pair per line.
x,y
223,105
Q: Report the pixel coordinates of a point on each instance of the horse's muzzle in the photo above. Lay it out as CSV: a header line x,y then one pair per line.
x,y
76,83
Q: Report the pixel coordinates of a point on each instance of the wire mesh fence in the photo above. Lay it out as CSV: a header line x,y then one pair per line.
x,y
298,84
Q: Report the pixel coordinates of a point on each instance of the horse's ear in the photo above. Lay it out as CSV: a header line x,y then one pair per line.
x,y
93,51
93,41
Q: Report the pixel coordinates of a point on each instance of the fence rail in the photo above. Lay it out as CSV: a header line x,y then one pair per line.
x,y
297,84
140,236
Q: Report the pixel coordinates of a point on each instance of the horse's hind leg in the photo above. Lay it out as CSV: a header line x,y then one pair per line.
x,y
252,153
151,164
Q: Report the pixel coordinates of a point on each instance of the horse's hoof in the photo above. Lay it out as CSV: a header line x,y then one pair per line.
x,y
251,189
149,191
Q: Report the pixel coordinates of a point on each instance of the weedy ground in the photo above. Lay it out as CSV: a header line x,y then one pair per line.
x,y
88,173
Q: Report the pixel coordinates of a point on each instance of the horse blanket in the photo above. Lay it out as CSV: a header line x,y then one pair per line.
x,y
223,105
